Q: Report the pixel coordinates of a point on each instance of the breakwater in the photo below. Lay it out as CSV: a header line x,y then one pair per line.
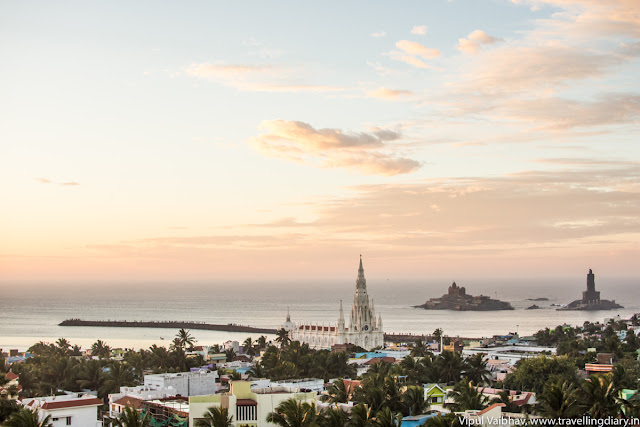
x,y
230,327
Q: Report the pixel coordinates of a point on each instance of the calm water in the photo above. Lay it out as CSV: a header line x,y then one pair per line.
x,y
28,318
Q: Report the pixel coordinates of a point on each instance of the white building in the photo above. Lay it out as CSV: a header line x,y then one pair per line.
x,y
185,383
363,330
130,395
74,410
247,406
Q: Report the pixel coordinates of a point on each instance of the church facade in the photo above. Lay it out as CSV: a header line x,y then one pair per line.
x,y
363,330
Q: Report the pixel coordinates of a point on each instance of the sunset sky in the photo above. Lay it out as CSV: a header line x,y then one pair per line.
x,y
262,140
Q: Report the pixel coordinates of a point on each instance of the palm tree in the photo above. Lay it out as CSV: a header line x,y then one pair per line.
x,y
256,371
598,397
262,342
475,368
419,349
63,345
559,400
100,349
450,365
247,346
294,413
414,401
185,339
337,392
27,418
7,407
437,334
119,375
360,416
333,417
216,416
465,396
283,337
90,375
386,418
129,417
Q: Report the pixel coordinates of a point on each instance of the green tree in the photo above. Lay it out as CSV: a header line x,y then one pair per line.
x,y
450,365
360,416
294,413
387,418
333,417
414,401
100,349
598,398
7,407
465,396
129,417
27,418
118,375
90,375
185,339
532,374
559,400
475,368
282,336
337,392
216,416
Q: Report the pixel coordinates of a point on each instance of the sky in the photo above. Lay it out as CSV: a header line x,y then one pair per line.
x,y
254,140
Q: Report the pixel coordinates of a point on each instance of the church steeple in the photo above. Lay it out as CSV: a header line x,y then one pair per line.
x,y
361,282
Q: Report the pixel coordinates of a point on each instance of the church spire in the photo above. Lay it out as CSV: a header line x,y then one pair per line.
x,y
361,282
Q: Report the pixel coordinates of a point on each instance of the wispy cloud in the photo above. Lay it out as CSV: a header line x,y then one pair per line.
x,y
65,184
363,152
69,183
475,41
257,78
419,30
43,180
390,94
414,53
379,34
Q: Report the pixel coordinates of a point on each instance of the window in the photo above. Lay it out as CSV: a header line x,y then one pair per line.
x,y
68,421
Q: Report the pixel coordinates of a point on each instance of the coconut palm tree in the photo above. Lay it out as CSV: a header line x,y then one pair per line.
x,y
414,401
7,407
294,413
450,365
360,416
216,416
598,397
465,396
333,417
337,392
386,418
100,349
63,345
119,374
27,418
559,400
90,375
247,345
256,371
185,339
475,368
129,417
283,337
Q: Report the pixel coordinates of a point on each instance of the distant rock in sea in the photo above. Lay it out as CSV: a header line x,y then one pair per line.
x,y
457,299
533,307
538,299
591,298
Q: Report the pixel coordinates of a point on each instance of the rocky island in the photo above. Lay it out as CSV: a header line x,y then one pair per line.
x,y
591,298
457,299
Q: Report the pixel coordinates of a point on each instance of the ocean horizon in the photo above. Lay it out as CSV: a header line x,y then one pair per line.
x,y
32,314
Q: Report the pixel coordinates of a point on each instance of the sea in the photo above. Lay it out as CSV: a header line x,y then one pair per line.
x,y
30,313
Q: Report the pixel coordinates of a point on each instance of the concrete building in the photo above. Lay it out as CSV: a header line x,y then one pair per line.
x,y
364,329
75,410
247,406
185,383
127,395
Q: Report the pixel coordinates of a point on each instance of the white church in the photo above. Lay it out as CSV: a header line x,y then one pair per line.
x,y
363,330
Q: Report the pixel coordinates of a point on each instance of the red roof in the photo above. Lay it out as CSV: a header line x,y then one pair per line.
x,y
129,401
495,405
11,376
72,403
524,400
246,402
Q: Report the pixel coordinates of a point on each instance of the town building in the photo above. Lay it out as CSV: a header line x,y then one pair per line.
x,y
364,330
247,406
185,383
75,410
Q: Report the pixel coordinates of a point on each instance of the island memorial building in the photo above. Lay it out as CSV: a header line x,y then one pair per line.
x,y
363,330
